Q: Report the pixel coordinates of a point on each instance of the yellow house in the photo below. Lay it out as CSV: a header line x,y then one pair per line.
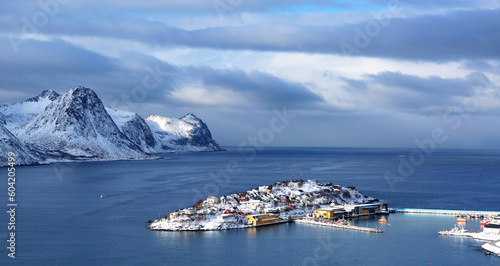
x,y
262,219
326,213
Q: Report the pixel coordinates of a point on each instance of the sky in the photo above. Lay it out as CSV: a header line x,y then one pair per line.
x,y
320,73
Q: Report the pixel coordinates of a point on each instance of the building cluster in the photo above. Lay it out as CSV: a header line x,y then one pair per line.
x,y
276,203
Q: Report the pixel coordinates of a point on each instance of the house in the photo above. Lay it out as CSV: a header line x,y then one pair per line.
x,y
189,211
263,188
212,200
262,219
493,227
327,212
225,216
203,211
367,209
173,215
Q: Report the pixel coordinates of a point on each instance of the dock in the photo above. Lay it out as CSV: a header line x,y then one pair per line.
x,y
444,212
337,225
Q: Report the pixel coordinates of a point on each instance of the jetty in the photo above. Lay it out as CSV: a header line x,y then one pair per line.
x,y
444,212
330,223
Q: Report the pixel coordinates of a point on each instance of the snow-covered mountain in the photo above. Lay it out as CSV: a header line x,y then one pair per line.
x,y
134,128
188,133
76,126
18,114
9,143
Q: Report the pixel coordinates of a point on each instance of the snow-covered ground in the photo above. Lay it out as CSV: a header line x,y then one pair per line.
x,y
464,233
493,247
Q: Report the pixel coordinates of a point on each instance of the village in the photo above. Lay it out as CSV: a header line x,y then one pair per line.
x,y
282,202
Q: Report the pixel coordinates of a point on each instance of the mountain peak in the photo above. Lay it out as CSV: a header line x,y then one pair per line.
x,y
77,126
49,94
191,119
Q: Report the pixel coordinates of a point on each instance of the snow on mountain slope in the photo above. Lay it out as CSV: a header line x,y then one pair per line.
x,y
18,114
134,128
188,133
9,143
76,126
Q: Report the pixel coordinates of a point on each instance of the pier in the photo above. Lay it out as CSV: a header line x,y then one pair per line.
x,y
444,212
337,225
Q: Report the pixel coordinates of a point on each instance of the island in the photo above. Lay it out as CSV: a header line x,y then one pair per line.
x,y
281,202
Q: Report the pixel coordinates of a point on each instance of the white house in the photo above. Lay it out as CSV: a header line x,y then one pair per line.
x,y
212,200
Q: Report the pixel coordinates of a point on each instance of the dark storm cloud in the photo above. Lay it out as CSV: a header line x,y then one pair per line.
x,y
259,87
44,57
433,85
452,36
425,95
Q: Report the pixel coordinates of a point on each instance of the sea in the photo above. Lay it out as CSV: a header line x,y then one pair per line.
x,y
61,219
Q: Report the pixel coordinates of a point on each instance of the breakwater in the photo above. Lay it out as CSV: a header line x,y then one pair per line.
x,y
444,212
338,225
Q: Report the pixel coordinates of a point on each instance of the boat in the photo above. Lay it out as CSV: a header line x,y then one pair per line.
x,y
342,222
483,222
461,220
382,220
354,215
384,211
103,196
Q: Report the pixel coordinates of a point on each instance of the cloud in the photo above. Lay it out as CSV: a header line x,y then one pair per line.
x,y
416,94
452,36
433,85
59,65
260,88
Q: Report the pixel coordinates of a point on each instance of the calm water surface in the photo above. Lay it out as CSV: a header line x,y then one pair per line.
x,y
62,220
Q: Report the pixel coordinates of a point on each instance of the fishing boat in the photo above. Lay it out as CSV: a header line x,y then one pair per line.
x,y
103,196
382,220
483,222
354,215
461,219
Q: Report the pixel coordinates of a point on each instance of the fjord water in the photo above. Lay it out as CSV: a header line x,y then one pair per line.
x,y
61,219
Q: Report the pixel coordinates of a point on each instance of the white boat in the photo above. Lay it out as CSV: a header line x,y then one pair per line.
x,y
103,196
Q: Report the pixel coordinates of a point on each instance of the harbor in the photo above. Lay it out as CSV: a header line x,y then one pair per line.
x,y
330,223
